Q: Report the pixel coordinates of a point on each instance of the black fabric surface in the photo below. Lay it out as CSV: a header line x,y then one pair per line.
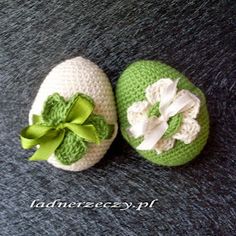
x,y
195,37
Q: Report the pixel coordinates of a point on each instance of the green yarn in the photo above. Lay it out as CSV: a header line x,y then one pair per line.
x,y
131,88
73,147
104,130
174,125
154,110
56,108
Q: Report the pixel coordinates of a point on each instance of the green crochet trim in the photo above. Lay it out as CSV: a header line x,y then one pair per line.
x,y
72,147
174,125
131,88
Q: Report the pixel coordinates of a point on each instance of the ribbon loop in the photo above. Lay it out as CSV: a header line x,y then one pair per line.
x,y
180,104
167,95
80,111
31,135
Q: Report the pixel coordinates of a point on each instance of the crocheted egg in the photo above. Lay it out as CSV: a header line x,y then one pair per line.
x,y
161,113
72,79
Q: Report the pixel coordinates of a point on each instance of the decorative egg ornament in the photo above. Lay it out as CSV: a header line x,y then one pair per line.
x,y
162,115
73,118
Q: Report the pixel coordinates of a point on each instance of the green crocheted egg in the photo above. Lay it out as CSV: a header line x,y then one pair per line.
x,y
143,95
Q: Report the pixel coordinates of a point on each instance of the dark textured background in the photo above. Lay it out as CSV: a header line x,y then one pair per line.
x,y
197,38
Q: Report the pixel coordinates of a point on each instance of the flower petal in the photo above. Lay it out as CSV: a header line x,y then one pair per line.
x,y
153,91
193,109
164,145
188,130
137,112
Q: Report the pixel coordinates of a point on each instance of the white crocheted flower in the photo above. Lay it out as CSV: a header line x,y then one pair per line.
x,y
170,102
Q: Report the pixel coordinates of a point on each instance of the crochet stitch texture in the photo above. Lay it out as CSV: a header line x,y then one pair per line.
x,y
79,75
55,113
131,88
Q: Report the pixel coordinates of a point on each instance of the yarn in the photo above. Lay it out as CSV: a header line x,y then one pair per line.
x,y
131,88
56,108
57,113
154,110
104,130
72,149
79,75
174,125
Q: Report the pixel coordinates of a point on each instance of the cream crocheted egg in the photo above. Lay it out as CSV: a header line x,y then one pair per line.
x,y
79,75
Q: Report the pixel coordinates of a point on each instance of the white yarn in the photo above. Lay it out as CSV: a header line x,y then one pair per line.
x,y
164,145
153,91
70,77
137,111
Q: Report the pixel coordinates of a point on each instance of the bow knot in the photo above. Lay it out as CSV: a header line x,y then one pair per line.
x,y
60,126
50,137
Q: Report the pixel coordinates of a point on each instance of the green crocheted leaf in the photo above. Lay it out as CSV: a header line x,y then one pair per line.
x,y
104,130
131,88
71,149
56,108
54,111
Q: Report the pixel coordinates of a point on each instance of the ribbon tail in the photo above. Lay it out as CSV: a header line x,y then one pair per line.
x,y
152,137
47,148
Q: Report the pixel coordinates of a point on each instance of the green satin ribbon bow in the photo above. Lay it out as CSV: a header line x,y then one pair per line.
x,y
50,137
